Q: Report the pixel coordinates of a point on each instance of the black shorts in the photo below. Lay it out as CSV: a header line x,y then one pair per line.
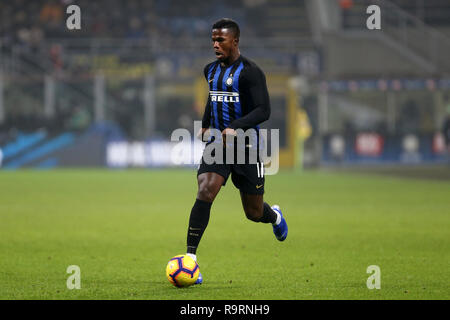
x,y
247,177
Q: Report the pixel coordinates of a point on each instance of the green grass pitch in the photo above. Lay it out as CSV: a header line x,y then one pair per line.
x,y
122,227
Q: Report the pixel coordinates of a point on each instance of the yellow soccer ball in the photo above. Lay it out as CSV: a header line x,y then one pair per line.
x,y
182,271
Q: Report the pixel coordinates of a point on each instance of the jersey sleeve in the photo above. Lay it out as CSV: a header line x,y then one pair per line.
x,y
206,120
254,85
205,71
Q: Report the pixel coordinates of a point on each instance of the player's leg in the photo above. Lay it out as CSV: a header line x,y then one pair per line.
x,y
256,209
209,184
249,179
259,211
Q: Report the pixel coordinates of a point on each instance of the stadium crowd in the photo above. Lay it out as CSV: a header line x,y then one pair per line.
x,y
30,22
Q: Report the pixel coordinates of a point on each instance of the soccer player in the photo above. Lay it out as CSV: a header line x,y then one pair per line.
x,y
238,99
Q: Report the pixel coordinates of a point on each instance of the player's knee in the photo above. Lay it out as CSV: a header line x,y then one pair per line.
x,y
206,192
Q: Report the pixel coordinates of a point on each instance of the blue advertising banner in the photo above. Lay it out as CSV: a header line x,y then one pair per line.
x,y
375,148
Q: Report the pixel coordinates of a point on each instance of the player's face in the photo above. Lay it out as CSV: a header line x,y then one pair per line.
x,y
224,43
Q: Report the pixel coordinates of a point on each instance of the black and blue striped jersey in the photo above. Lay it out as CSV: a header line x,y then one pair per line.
x,y
238,96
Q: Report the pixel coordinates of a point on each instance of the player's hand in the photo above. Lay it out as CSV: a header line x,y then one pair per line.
x,y
203,134
228,132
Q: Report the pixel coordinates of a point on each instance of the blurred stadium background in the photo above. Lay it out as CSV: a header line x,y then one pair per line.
x,y
346,99
110,94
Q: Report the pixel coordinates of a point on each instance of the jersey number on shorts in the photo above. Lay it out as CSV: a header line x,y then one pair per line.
x,y
260,169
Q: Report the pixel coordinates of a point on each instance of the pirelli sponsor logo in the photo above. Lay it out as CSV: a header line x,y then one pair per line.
x,y
224,96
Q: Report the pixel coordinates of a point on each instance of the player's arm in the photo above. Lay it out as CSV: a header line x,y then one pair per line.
x,y
206,120
255,81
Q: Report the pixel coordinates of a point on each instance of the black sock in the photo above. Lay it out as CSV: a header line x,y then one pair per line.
x,y
269,216
197,224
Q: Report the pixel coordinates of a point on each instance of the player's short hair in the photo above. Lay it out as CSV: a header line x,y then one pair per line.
x,y
228,24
